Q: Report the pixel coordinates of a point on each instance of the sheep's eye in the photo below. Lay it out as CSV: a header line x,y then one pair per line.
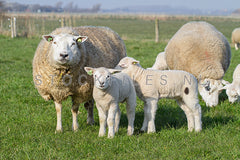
x,y
108,77
236,96
54,42
73,44
207,88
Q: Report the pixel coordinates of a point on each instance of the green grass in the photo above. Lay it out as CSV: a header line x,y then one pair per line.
x,y
27,129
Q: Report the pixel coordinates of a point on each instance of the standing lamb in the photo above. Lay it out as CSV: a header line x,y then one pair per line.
x,y
160,63
199,48
233,89
151,85
59,61
236,38
110,90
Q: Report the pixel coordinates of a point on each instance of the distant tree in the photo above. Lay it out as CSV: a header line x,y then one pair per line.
x,y
68,7
2,7
96,8
237,11
59,4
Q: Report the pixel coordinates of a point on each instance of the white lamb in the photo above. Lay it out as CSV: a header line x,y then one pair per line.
x,y
160,63
109,90
233,89
236,38
151,85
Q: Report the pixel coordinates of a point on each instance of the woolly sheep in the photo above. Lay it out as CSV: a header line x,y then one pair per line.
x,y
160,63
58,65
151,85
199,48
233,89
110,90
236,37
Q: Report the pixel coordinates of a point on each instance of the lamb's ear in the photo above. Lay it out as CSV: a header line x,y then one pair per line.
x,y
89,70
80,39
48,38
135,62
113,71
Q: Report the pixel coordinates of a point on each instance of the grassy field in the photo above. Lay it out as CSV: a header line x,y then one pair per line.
x,y
27,129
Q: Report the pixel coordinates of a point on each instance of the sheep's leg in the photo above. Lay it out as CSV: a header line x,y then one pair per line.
x,y
117,119
236,46
145,121
131,116
58,107
198,118
102,121
74,110
111,120
151,112
189,114
89,107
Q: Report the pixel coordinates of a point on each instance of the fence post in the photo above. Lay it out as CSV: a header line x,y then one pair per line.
x,y
62,22
14,27
156,30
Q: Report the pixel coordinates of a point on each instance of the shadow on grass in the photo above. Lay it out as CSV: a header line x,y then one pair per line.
x,y
173,117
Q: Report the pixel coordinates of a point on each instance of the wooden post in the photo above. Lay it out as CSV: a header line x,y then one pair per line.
x,y
62,22
156,30
11,25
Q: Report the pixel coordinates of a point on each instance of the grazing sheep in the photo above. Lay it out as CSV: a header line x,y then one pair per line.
x,y
151,85
160,63
233,89
199,48
110,90
236,37
59,61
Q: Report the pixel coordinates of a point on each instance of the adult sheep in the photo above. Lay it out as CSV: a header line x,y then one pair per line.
x,y
59,61
236,38
199,48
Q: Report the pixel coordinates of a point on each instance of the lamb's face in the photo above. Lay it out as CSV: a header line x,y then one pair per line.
x,y
126,62
102,78
232,93
210,89
65,48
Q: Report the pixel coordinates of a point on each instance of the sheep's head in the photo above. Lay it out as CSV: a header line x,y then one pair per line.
x,y
127,62
102,76
64,48
210,89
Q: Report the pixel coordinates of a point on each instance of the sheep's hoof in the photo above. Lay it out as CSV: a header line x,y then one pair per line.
x,y
90,121
101,134
110,136
190,129
198,130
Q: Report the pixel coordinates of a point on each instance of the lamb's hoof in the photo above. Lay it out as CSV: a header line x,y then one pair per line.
x,y
58,131
101,134
198,130
110,136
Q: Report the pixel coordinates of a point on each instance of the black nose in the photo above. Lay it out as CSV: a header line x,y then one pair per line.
x,y
63,55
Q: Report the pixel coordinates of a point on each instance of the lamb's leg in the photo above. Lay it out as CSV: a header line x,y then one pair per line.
x,y
102,121
131,115
151,112
189,114
145,121
58,107
236,46
74,110
89,107
198,118
111,120
117,119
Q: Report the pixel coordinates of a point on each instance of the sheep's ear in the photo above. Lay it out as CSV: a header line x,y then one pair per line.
x,y
81,39
89,70
48,38
113,71
223,88
135,62
225,82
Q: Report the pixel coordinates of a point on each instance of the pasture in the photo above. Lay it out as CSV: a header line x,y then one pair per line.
x,y
27,129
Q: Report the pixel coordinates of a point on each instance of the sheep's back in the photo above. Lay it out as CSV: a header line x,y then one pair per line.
x,y
104,47
200,49
236,35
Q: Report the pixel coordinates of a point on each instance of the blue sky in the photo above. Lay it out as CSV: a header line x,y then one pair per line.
x,y
110,4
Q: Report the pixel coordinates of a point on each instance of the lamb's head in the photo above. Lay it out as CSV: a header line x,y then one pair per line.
x,y
233,92
126,62
64,49
102,76
210,89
